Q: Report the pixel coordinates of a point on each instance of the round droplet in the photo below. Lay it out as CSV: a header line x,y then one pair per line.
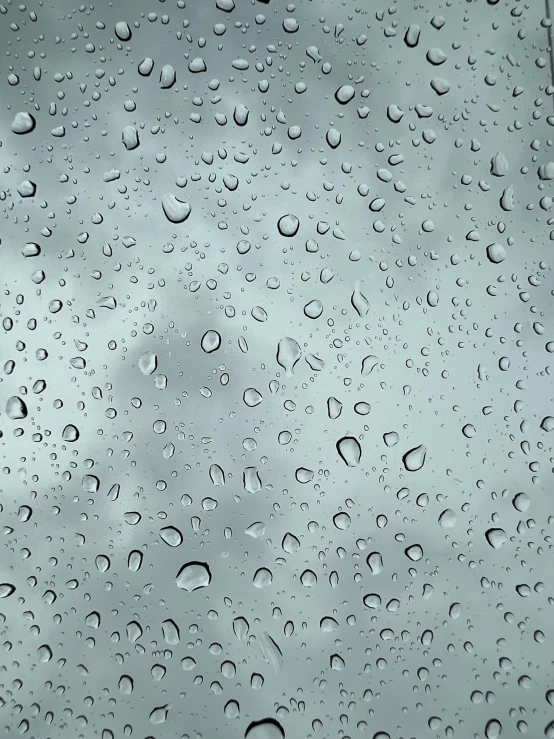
x,y
414,552
267,728
333,138
415,458
308,579
469,431
232,709
304,475
521,502
27,189
194,575
496,253
496,537
447,519
349,451
70,433
262,578
211,341
93,620
313,309
252,397
171,536
197,65
288,225
290,25
342,520
436,56
91,483
372,600
344,94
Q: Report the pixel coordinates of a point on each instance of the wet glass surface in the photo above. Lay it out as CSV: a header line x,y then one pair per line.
x,y
276,386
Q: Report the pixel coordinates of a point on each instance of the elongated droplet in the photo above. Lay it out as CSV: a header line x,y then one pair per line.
x,y
368,364
415,458
359,301
288,354
176,211
148,363
211,341
217,476
349,451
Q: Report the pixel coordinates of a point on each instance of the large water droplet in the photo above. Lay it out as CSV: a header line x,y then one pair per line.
x,y
414,552
288,354
344,94
23,123
176,211
194,575
211,341
252,397
172,536
349,451
6,589
262,578
290,543
496,537
267,728
288,225
415,458
148,363
447,519
70,433
359,301
16,408
493,729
